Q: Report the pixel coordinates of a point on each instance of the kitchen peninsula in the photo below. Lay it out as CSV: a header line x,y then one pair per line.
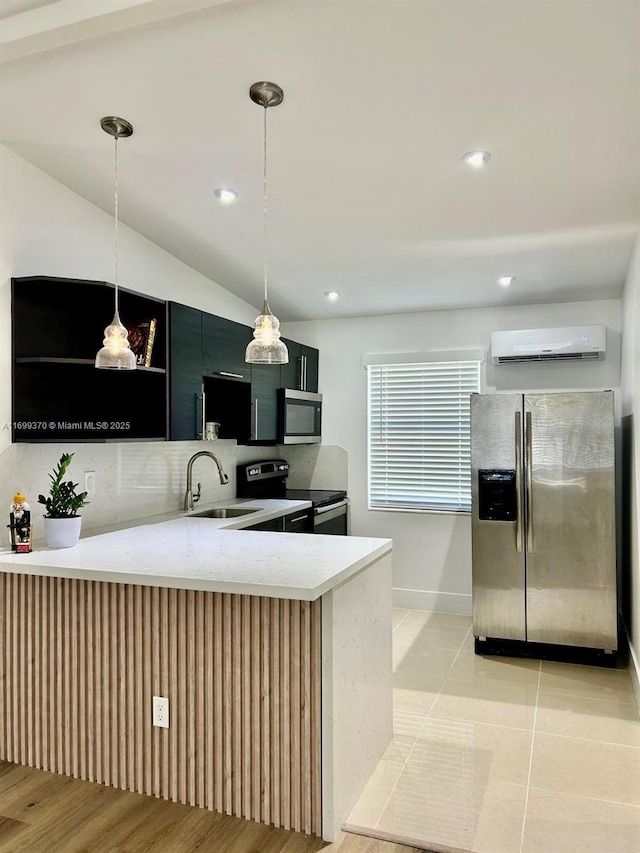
x,y
274,651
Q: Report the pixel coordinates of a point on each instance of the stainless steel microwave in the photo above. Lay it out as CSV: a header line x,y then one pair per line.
x,y
300,417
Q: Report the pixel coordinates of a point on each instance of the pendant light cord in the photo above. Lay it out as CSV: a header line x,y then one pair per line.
x,y
115,205
264,203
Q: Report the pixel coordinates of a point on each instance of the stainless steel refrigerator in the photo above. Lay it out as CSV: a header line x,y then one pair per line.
x,y
543,519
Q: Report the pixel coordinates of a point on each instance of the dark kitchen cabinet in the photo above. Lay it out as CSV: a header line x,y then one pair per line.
x,y
301,373
295,522
185,403
208,371
310,367
224,343
197,370
209,379
57,393
290,373
228,403
299,522
265,381
274,524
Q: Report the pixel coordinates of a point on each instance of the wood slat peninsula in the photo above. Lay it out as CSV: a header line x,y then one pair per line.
x,y
274,651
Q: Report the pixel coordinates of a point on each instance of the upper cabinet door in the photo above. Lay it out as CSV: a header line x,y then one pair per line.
x,y
223,347
290,373
265,381
186,372
301,374
309,368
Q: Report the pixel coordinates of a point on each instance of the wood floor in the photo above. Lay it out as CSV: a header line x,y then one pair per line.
x,y
43,812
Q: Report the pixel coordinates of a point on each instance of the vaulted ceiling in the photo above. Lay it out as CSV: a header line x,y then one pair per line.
x,y
368,195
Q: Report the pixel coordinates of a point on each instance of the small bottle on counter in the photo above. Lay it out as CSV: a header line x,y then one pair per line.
x,y
20,527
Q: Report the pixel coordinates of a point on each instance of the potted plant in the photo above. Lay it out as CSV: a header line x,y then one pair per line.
x,y
61,520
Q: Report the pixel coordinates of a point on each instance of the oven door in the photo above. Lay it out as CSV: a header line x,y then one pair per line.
x,y
299,417
331,519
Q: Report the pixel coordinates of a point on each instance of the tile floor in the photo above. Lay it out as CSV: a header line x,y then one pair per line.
x,y
501,755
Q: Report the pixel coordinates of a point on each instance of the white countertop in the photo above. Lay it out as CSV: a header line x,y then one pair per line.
x,y
183,552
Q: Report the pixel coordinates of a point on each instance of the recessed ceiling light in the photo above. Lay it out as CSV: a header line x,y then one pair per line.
x,y
226,195
332,295
476,158
506,280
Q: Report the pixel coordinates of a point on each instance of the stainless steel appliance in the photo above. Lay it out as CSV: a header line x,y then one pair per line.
x,y
543,521
268,479
299,417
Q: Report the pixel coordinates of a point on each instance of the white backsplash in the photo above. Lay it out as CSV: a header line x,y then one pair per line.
x,y
316,466
133,479
137,479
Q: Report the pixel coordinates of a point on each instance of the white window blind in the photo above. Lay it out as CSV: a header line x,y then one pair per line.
x,y
419,435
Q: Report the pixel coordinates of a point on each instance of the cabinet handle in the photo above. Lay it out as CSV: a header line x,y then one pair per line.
x,y
204,413
255,415
299,381
198,426
304,374
297,518
234,375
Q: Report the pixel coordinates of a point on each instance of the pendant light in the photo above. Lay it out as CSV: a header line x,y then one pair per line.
x,y
266,346
116,353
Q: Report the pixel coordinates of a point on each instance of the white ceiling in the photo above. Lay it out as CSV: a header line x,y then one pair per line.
x,y
15,7
367,192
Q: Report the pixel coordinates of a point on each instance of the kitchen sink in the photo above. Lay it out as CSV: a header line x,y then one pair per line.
x,y
224,512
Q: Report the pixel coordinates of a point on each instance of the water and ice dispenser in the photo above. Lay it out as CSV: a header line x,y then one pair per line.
x,y
497,499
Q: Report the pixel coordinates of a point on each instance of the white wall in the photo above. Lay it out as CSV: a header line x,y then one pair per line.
x,y
432,553
46,229
631,460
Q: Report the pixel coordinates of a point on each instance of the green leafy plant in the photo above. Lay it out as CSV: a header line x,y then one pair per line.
x,y
63,502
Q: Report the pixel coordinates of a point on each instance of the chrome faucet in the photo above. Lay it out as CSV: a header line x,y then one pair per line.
x,y
189,498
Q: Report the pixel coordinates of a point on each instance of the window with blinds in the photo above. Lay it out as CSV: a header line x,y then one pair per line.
x,y
419,435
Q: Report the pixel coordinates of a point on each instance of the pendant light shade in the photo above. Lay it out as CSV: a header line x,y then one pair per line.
x,y
116,353
266,346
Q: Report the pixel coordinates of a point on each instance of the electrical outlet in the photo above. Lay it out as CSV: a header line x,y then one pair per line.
x,y
90,483
161,712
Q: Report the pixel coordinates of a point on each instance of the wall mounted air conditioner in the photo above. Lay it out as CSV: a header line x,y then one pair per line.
x,y
535,345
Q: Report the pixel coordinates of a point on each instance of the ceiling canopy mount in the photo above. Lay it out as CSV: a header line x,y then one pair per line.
x,y
266,94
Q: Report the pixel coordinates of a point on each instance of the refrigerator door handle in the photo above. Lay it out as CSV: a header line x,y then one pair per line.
x,y
518,449
528,460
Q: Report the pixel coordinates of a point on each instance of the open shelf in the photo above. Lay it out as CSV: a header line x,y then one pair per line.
x,y
88,361
58,395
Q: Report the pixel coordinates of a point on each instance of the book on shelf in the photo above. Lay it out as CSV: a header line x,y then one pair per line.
x,y
141,342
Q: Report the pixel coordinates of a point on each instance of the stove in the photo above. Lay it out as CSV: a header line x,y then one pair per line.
x,y
267,478
318,497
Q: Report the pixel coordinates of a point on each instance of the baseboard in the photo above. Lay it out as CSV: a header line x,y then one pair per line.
x,y
634,668
423,599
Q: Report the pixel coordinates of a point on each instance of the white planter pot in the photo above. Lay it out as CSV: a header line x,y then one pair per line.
x,y
62,532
